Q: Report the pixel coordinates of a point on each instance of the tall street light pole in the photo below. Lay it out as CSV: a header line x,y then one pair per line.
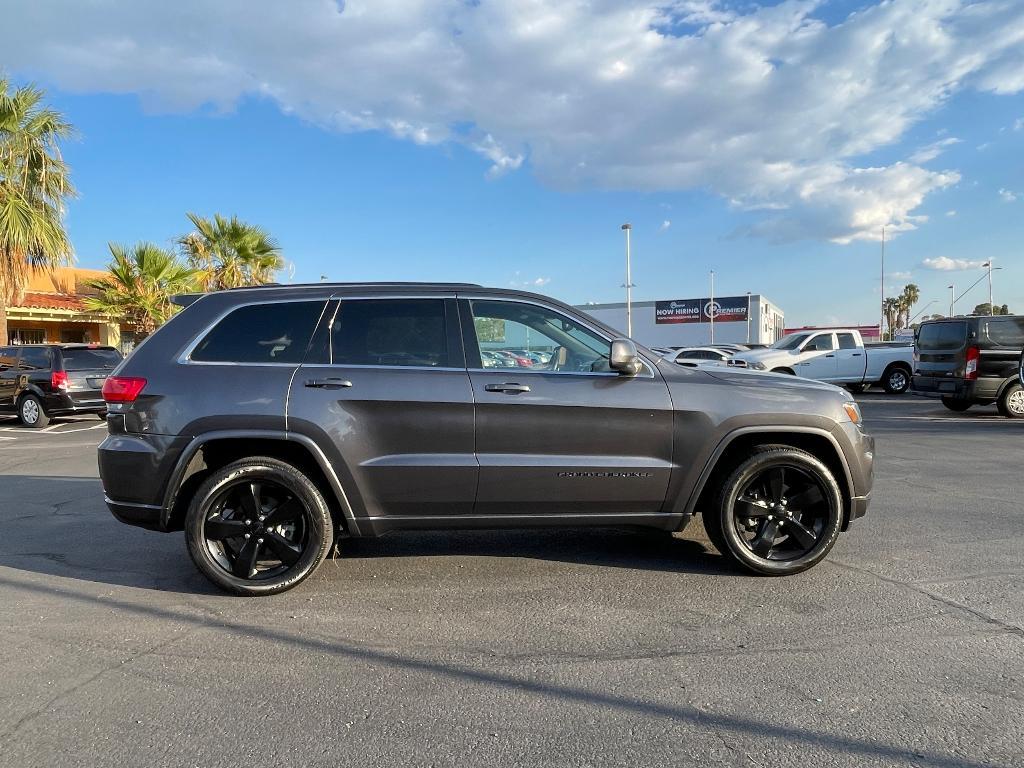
x,y
952,301
881,321
748,317
629,284
991,307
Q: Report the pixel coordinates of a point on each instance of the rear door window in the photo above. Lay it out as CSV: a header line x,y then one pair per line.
x,y
35,359
391,332
942,336
277,332
847,341
1004,331
90,359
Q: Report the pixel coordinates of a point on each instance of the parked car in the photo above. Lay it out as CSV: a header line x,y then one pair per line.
x,y
39,381
698,355
969,361
264,423
838,356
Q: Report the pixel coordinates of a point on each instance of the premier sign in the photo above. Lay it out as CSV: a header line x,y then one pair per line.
x,y
728,309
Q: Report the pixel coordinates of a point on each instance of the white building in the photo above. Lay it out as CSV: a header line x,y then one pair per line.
x,y
687,322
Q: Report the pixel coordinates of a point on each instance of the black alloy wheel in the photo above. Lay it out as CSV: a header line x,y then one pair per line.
x,y
779,512
258,526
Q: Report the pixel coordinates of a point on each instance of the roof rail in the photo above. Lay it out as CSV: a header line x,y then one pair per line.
x,y
358,284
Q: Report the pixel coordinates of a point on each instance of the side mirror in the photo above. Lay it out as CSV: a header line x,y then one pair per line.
x,y
624,358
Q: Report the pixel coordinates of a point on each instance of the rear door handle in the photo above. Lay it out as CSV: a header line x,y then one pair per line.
x,y
510,388
855,354
328,383
829,355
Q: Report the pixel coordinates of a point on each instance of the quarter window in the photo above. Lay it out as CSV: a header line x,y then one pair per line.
x,y
277,332
527,336
1005,332
403,332
8,358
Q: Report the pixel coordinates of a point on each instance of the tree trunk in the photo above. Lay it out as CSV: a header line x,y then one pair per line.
x,y
3,319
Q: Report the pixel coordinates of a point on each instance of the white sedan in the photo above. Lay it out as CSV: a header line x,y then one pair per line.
x,y
695,355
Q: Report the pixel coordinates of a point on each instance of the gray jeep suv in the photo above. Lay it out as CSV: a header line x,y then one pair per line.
x,y
268,423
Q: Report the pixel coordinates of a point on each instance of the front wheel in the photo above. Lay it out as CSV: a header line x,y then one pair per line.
x,y
257,527
779,512
896,380
1011,402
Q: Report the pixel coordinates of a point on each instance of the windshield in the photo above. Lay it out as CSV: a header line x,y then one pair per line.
x,y
792,341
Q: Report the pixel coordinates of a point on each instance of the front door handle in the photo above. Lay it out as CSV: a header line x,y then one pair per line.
x,y
328,383
829,355
510,388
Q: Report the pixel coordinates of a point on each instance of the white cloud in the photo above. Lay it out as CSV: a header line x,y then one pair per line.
x,y
1007,196
950,213
1018,124
933,150
946,264
664,225
901,275
769,107
537,282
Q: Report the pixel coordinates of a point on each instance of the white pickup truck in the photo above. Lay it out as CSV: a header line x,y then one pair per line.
x,y
837,356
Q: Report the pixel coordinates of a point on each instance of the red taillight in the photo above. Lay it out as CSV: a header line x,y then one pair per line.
x,y
971,371
59,380
122,389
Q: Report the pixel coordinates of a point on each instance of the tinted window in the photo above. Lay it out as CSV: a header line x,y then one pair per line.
x,y
847,341
35,359
8,358
942,336
390,332
263,333
1004,332
792,341
90,359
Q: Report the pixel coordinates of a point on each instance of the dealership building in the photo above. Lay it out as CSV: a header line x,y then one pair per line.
x,y
688,322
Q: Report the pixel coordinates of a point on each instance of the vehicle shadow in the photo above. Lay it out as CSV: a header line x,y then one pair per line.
x,y
60,526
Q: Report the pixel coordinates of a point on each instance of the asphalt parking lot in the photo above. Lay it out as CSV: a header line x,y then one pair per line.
x,y
551,648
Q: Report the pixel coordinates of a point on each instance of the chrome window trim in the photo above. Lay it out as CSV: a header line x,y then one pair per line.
x,y
648,365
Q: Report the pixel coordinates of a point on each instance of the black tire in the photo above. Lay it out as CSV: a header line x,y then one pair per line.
x,y
787,371
1011,401
857,388
956,405
896,379
102,415
31,413
305,534
816,524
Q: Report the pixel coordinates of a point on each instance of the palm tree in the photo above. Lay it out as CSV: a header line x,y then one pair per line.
x,y
139,286
229,253
891,309
34,182
910,296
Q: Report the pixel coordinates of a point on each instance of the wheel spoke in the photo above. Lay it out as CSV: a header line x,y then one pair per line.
x,y
284,512
249,499
808,497
764,541
777,484
217,528
287,552
748,508
244,566
801,533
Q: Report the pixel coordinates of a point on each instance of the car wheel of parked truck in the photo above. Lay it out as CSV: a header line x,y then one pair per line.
x,y
258,526
1011,401
778,513
896,379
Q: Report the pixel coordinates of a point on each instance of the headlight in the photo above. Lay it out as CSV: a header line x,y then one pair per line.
x,y
853,411
757,366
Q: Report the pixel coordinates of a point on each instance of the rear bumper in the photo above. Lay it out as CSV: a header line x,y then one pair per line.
x,y
134,470
141,515
66,405
982,390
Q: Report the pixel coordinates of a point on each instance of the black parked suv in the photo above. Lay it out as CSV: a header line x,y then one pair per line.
x,y
270,422
971,361
38,381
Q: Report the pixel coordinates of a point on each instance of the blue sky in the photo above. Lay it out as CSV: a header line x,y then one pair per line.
x,y
377,167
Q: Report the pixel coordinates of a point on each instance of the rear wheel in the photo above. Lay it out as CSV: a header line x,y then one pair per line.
x,y
1011,402
31,413
896,380
779,512
257,527
956,405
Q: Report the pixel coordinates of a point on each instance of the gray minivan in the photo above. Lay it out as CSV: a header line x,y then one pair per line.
x,y
969,361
